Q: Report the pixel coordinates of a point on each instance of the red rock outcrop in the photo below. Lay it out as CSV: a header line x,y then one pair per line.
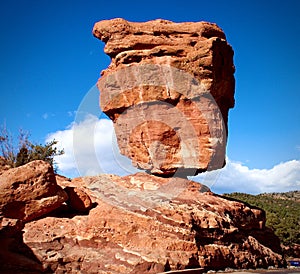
x,y
29,191
78,199
168,90
26,193
146,224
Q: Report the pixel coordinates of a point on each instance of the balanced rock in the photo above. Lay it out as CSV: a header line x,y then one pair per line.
x,y
168,90
148,224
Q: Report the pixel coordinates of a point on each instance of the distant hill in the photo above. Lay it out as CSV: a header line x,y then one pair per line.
x,y
282,211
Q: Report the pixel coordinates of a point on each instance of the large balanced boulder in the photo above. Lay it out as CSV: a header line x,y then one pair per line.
x,y
168,90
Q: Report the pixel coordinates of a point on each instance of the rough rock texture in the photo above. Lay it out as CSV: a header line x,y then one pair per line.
x,y
78,199
29,191
3,165
168,90
146,224
26,193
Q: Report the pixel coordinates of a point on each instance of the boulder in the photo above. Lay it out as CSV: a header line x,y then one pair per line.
x,y
147,224
29,191
78,200
168,90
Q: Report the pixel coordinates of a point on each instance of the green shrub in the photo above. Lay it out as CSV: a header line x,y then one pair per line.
x,y
282,212
26,151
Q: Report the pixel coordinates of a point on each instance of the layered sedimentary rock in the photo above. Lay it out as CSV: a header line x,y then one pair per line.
x,y
143,224
139,223
168,90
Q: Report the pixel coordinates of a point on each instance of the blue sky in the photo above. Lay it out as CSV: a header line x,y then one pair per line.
x,y
50,61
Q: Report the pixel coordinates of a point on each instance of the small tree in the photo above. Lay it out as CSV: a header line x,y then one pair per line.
x,y
26,151
22,157
7,146
44,152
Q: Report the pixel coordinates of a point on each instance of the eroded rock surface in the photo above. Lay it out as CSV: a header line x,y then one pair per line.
x,y
29,191
145,224
26,193
168,90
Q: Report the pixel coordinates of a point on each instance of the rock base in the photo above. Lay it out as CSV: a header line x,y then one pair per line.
x,y
146,224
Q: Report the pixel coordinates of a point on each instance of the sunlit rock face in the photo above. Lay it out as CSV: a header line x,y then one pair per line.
x,y
143,223
168,90
29,191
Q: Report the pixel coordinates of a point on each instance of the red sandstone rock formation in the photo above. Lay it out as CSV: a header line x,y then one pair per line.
x,y
142,224
168,90
29,191
134,224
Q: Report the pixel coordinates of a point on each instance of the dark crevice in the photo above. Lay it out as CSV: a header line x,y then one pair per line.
x,y
142,46
16,257
65,211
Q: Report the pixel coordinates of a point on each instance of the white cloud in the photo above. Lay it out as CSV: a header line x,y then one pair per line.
x,y
237,177
90,148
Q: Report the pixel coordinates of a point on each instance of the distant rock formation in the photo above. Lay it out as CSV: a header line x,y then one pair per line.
x,y
168,90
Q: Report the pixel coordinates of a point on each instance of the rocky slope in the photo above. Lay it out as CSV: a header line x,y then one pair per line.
x,y
133,224
282,211
168,90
